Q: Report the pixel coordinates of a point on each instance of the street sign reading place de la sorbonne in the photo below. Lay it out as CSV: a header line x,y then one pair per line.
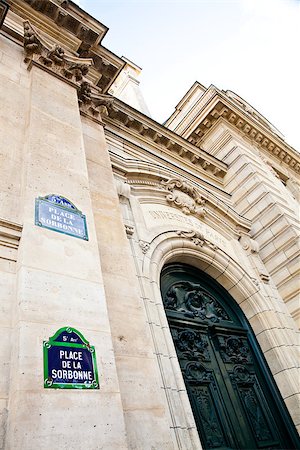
x,y
69,361
57,213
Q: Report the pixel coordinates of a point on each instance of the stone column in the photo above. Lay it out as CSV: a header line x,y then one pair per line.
x,y
59,283
143,399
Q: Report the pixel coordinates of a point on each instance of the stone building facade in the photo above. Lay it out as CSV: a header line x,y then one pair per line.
x,y
189,273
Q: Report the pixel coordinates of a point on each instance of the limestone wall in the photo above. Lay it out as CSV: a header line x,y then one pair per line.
x,y
259,194
143,401
14,94
163,234
54,280
150,197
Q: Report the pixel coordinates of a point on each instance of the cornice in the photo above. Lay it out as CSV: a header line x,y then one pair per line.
x,y
65,24
3,11
10,234
191,200
154,170
133,122
215,105
53,58
150,183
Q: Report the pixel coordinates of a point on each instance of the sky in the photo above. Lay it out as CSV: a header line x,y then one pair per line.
x,y
251,47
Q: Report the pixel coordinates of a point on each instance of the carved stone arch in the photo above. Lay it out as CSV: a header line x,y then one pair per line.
x,y
170,247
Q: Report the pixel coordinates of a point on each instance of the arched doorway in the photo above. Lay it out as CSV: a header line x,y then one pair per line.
x,y
235,401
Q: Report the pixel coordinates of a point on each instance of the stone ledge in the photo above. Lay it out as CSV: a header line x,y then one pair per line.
x,y
137,124
10,235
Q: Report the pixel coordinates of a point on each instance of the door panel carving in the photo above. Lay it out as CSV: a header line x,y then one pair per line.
x,y
193,301
231,399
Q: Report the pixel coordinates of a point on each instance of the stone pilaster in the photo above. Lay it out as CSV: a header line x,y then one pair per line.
x,y
59,281
143,402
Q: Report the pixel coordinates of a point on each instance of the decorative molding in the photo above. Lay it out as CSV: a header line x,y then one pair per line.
x,y
195,111
252,112
144,246
3,11
53,58
93,105
121,115
260,134
251,247
66,23
248,244
10,235
129,230
143,182
63,13
197,238
145,176
123,189
192,300
185,197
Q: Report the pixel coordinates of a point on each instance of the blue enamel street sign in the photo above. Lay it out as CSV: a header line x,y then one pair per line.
x,y
59,214
69,361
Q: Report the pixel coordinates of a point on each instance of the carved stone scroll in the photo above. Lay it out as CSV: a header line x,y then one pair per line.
x,y
184,196
197,238
252,249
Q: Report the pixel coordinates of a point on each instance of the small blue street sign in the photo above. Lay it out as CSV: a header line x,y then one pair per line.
x,y
59,214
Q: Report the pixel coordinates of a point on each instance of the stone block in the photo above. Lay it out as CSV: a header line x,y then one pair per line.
x,y
288,382
47,297
5,353
39,423
293,405
142,437
7,297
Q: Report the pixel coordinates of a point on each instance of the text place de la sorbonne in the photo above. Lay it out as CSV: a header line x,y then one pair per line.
x,y
149,273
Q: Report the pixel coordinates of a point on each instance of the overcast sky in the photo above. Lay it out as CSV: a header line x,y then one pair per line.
x,y
251,47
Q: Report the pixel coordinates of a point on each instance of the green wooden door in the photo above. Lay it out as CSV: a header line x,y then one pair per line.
x,y
233,396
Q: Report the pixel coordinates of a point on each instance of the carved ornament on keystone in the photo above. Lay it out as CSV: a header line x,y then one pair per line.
x,y
197,238
184,196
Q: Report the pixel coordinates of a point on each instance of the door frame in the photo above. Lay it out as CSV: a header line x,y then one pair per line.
x,y
249,293
176,319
